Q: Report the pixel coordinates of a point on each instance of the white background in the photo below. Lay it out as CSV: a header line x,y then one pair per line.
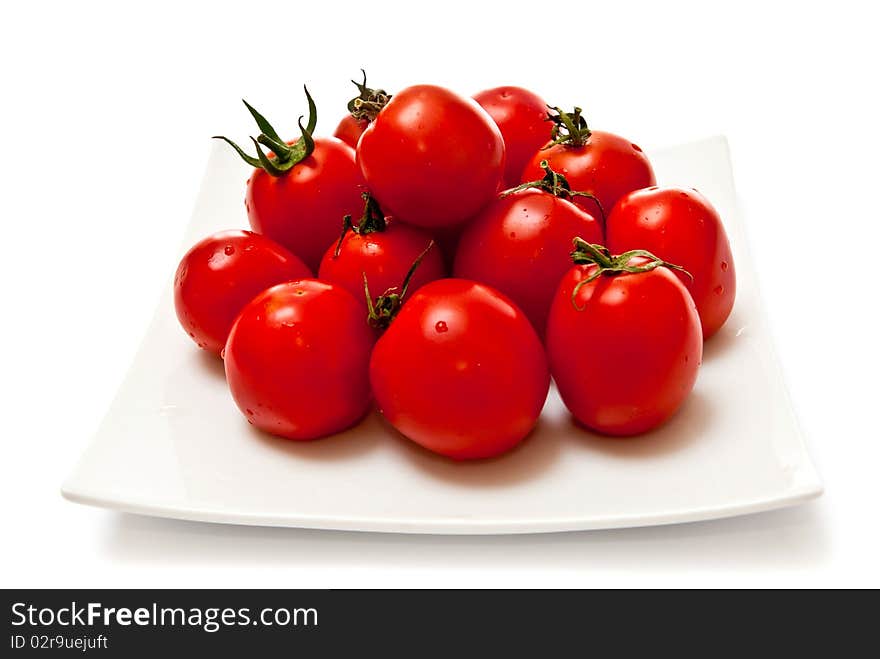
x,y
106,113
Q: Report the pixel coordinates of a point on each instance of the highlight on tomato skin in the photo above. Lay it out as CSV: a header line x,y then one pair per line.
x,y
297,360
220,274
443,376
624,348
680,225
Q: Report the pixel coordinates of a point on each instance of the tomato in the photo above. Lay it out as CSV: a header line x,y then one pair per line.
x,y
220,275
520,244
603,164
624,347
297,360
431,157
460,371
522,118
301,190
383,250
680,226
350,130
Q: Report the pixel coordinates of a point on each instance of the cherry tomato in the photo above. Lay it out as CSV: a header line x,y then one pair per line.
x,y
300,191
431,157
460,371
384,250
520,244
624,348
602,164
303,208
297,360
682,227
350,130
522,118
221,274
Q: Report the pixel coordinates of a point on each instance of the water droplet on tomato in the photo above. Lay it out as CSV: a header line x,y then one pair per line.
x,y
513,234
724,266
718,290
222,353
249,412
636,147
441,327
229,250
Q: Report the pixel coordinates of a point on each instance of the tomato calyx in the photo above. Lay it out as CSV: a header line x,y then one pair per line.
x,y
382,310
369,102
372,221
556,184
585,253
569,129
285,156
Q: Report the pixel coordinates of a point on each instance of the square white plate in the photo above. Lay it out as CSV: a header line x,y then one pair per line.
x,y
174,445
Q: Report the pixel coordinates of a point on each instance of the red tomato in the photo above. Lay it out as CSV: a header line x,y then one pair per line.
x,y
520,244
460,371
300,191
624,348
384,251
350,130
603,164
522,118
221,274
431,157
682,227
303,208
297,360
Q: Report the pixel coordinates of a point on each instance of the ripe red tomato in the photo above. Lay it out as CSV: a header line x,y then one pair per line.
x,y
431,157
520,244
384,251
682,227
460,371
522,118
221,274
603,164
624,348
350,130
297,360
300,191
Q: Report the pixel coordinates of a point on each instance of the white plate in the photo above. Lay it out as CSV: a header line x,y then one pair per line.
x,y
174,445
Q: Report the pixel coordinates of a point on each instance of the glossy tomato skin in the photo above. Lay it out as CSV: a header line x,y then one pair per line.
x,y
385,257
297,360
350,130
432,158
607,166
521,116
628,358
520,245
219,275
682,227
303,209
460,371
